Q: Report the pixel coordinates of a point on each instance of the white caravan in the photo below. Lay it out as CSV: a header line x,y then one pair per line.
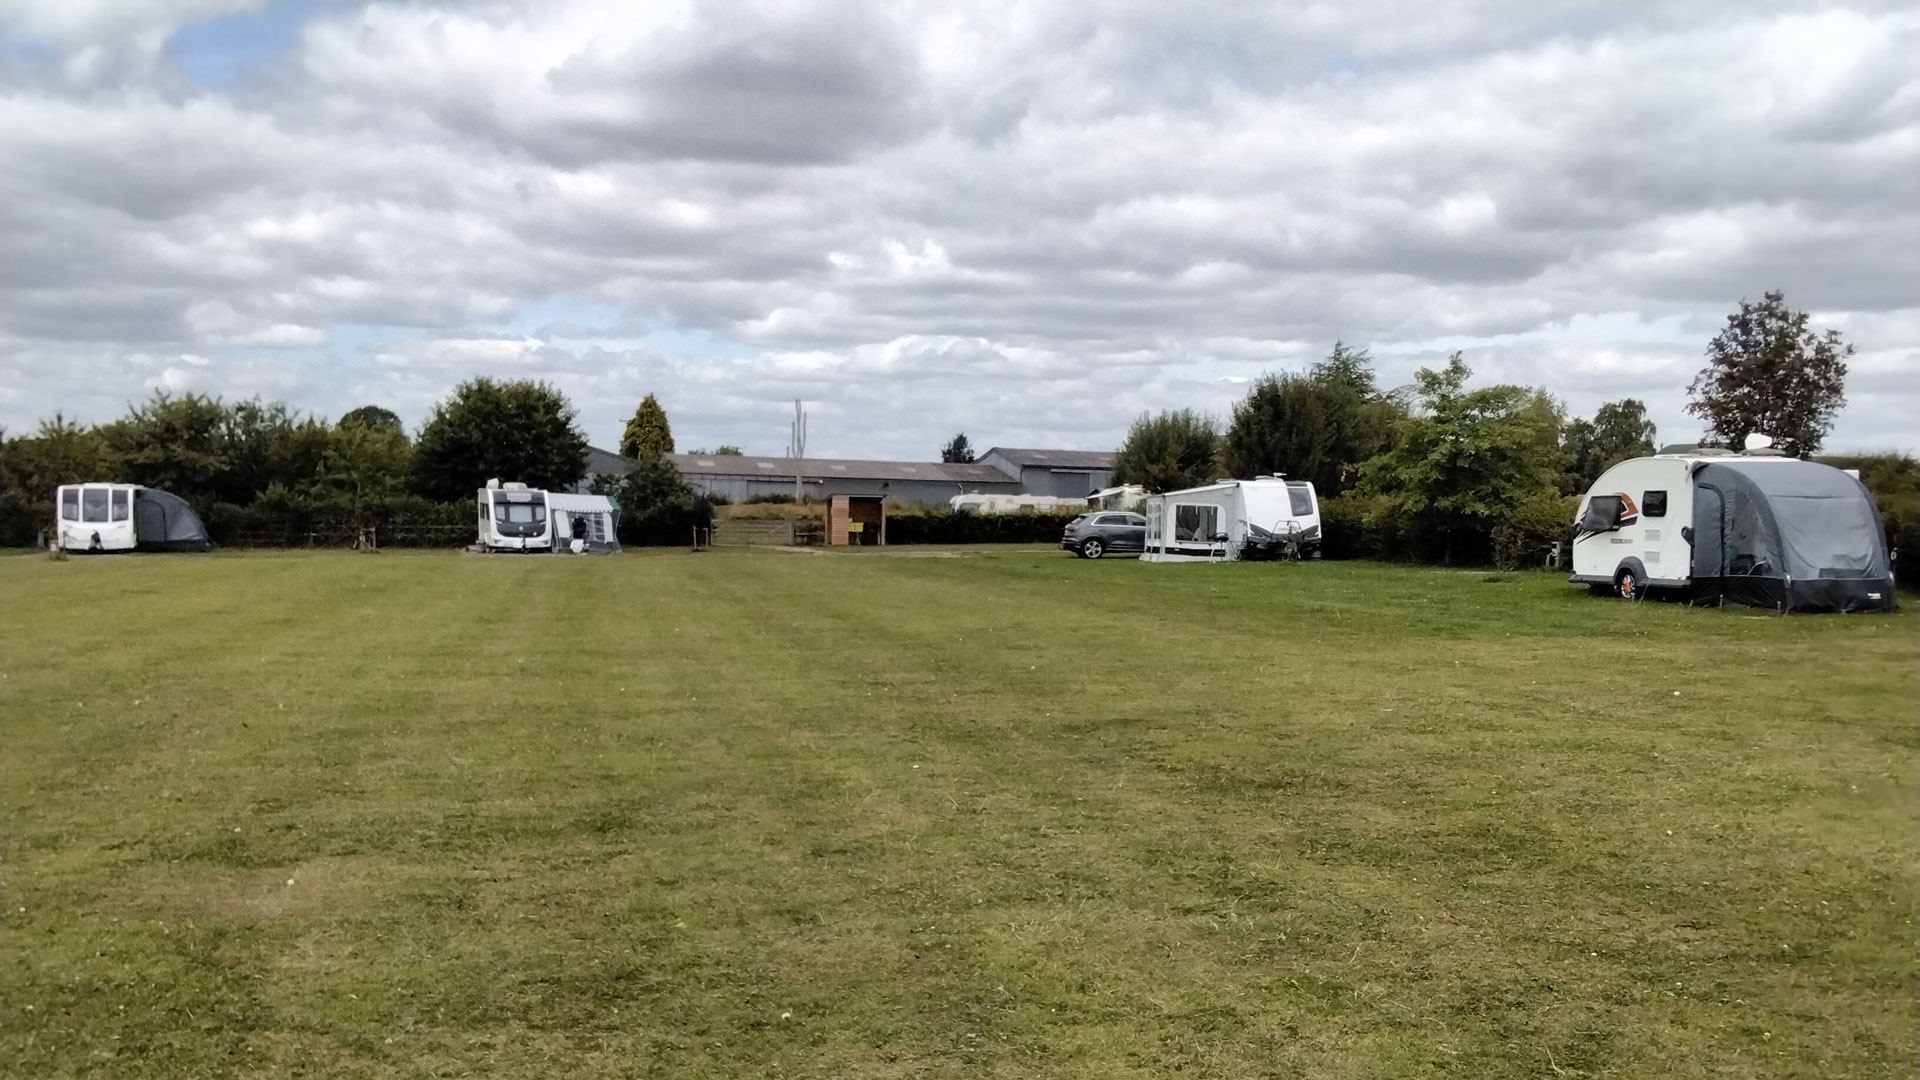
x,y
124,517
513,517
1129,497
993,503
1234,519
1752,528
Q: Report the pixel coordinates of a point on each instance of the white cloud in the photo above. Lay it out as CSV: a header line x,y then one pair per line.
x,y
102,38
1029,223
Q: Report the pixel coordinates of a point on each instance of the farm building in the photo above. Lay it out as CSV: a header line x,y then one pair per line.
x,y
1072,474
738,477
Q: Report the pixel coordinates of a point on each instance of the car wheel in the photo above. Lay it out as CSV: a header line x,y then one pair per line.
x,y
1092,549
1627,584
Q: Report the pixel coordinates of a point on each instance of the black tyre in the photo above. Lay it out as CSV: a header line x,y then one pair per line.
x,y
1627,584
1092,549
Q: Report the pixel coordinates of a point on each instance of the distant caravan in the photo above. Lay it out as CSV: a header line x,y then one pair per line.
x,y
1267,517
1754,528
105,518
513,517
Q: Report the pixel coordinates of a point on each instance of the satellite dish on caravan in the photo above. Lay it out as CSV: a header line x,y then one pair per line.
x,y
1756,441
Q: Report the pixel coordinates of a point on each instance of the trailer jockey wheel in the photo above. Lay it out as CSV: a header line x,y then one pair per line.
x,y
1627,584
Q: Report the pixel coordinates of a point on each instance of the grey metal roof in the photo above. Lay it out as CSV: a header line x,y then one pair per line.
x,y
1054,459
833,468
606,461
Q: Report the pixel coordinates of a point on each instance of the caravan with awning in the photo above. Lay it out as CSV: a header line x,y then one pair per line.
x,y
1753,528
105,518
1263,518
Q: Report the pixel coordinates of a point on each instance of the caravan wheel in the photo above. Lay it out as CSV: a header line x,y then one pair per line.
x,y
1627,584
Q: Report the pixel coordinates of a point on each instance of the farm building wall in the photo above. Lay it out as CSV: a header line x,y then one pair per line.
x,y
926,492
1069,474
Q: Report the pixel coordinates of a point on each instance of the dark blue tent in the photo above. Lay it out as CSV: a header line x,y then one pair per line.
x,y
1789,536
162,521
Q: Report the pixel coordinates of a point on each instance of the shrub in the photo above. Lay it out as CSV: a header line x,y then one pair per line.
x,y
1358,526
658,508
279,518
1525,540
939,525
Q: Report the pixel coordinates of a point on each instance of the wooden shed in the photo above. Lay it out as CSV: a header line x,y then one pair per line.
x,y
859,520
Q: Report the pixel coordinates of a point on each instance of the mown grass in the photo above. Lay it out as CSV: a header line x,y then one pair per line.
x,y
884,814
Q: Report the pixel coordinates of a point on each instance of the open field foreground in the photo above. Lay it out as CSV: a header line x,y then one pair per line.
x,y
996,814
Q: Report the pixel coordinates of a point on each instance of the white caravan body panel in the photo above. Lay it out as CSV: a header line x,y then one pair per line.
x,y
94,517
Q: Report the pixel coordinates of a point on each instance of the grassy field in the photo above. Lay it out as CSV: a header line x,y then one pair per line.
x,y
910,813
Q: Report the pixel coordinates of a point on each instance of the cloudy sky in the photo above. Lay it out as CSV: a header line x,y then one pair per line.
x,y
1028,222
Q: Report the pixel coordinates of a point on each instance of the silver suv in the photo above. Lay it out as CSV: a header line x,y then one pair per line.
x,y
1092,535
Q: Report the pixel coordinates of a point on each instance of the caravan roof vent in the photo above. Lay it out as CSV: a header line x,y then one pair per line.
x,y
493,484
514,485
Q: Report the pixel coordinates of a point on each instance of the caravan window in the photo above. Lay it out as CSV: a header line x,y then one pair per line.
x,y
1603,514
1301,500
121,503
1653,503
519,513
70,504
1198,524
93,504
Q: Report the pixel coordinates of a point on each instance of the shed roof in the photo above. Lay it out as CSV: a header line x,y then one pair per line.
x,y
1054,459
606,461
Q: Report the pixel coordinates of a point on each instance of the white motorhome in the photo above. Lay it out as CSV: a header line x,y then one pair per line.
x,y
513,517
1752,528
1262,518
124,517
994,503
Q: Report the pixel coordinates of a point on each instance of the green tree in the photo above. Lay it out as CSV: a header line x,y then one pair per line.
x,y
647,433
32,466
1618,431
1319,426
59,452
1282,426
367,460
508,430
1174,450
957,451
372,416
1467,460
723,450
174,443
264,444
657,505
1768,372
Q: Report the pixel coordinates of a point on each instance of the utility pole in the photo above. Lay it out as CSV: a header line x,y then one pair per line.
x,y
797,448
